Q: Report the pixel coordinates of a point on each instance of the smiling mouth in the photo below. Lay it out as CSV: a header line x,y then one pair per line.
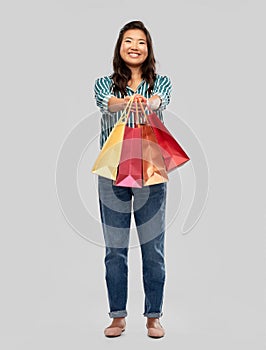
x,y
134,55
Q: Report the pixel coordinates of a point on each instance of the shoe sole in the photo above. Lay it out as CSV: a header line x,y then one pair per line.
x,y
154,337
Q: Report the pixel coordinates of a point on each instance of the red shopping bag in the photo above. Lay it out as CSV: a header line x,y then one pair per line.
x,y
172,152
130,164
154,170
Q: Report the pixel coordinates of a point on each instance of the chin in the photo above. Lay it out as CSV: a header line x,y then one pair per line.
x,y
134,63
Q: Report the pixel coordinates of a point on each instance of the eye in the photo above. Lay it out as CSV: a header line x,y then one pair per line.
x,y
142,42
127,41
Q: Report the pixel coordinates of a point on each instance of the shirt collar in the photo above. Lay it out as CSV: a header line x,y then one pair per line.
x,y
140,84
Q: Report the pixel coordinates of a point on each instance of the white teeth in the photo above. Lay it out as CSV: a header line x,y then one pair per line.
x,y
133,55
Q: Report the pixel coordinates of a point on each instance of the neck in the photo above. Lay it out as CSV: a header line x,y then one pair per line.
x,y
136,73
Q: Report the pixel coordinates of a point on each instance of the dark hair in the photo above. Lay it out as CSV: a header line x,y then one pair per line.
x,y
122,74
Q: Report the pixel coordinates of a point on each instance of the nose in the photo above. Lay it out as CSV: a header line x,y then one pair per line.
x,y
133,45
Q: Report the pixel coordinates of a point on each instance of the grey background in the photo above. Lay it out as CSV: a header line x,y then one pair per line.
x,y
52,280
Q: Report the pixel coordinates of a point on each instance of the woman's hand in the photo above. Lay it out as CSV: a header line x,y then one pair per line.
x,y
140,98
138,104
137,98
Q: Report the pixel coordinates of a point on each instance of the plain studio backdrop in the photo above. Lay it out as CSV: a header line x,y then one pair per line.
x,y
53,291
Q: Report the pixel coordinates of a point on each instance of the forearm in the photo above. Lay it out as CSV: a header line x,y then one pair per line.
x,y
116,104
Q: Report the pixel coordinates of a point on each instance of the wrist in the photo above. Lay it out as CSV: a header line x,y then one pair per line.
x,y
154,102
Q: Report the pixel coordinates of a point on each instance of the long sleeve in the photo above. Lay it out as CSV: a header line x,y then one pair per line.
x,y
163,89
102,90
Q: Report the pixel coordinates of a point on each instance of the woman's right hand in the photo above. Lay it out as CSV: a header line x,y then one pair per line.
x,y
137,98
135,106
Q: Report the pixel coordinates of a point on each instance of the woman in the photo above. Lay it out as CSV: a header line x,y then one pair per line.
x,y
134,74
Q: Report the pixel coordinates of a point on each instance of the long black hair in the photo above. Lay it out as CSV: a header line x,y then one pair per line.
x,y
122,74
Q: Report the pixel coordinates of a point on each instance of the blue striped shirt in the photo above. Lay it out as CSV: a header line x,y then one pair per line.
x,y
103,90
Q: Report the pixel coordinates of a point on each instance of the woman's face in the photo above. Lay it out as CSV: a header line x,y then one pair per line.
x,y
134,49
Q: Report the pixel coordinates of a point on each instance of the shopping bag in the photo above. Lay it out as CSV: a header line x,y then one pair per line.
x,y
107,162
154,170
108,159
130,164
172,152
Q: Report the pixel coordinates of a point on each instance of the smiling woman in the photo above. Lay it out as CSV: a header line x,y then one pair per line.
x,y
134,74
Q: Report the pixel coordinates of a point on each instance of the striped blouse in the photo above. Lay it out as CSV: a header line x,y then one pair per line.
x,y
103,90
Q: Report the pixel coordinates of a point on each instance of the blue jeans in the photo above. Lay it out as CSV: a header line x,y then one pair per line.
x,y
149,205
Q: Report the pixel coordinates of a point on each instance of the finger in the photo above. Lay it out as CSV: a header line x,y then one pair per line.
x,y
140,98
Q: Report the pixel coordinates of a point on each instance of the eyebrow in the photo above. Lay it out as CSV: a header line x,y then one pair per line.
x,y
128,37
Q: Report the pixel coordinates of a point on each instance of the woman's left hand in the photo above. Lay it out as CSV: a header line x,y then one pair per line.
x,y
139,103
139,98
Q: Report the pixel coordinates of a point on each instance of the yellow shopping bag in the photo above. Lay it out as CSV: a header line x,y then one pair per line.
x,y
108,159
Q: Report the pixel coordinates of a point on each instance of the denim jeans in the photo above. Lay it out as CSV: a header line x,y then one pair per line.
x,y
149,204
